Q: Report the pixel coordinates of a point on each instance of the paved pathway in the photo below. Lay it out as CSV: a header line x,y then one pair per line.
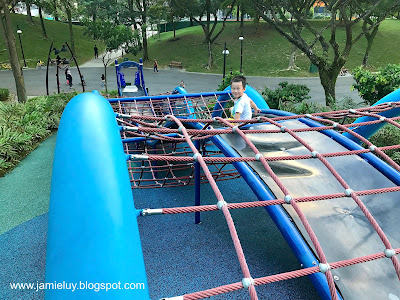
x,y
165,80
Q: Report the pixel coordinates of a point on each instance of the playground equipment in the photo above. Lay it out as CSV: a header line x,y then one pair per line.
x,y
128,89
334,201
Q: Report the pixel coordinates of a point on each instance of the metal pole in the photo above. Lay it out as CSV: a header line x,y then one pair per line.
x,y
47,69
223,74
58,77
197,185
22,49
76,63
241,54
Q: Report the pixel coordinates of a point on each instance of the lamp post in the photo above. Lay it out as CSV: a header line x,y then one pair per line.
x,y
241,53
65,48
19,31
225,53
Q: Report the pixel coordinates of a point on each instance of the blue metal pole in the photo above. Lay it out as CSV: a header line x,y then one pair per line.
x,y
197,185
369,130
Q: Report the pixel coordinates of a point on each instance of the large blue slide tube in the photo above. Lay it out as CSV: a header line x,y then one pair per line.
x,y
369,130
93,238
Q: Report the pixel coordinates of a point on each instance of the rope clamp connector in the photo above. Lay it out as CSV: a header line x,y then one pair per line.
x,y
180,129
258,156
348,192
372,148
323,268
314,154
151,212
173,298
221,204
382,119
123,116
353,111
389,253
247,282
288,199
283,129
215,120
335,125
196,156
234,128
308,116
138,157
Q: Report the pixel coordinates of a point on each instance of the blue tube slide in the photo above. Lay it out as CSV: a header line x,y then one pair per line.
x,y
249,91
369,130
93,238
278,215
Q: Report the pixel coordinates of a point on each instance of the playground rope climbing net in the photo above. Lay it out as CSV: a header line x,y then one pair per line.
x,y
146,121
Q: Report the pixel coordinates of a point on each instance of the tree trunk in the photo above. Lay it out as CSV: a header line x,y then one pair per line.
x,y
28,12
292,60
42,23
370,39
105,75
71,32
210,55
9,38
328,81
241,19
191,21
237,13
145,51
144,32
173,27
55,10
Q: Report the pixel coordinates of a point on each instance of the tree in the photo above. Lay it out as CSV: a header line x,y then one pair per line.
x,y
41,4
114,37
69,6
209,8
28,4
289,18
8,35
371,24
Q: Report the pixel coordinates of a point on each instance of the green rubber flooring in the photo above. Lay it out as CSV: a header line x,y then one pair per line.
x,y
25,191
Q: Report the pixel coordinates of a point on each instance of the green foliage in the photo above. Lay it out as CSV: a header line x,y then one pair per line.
x,y
227,81
23,125
373,87
4,94
286,95
113,36
388,135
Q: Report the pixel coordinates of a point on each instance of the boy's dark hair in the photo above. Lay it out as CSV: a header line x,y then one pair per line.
x,y
239,78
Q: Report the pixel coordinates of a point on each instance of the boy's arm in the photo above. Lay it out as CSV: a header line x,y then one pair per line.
x,y
237,116
254,106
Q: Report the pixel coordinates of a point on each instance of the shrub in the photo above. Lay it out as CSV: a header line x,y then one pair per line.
x,y
23,125
227,81
4,94
388,135
373,87
286,95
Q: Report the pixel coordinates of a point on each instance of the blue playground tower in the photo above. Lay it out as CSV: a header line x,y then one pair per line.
x,y
126,88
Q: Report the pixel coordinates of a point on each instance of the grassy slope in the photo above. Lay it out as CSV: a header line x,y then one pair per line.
x,y
35,47
266,52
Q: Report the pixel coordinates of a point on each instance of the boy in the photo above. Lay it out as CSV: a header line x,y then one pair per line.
x,y
242,103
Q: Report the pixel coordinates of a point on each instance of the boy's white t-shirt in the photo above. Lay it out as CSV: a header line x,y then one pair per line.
x,y
242,106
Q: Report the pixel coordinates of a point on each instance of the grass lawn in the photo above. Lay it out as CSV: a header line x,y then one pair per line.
x,y
35,47
265,51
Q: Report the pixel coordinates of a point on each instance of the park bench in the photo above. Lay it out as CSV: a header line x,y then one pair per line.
x,y
175,64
